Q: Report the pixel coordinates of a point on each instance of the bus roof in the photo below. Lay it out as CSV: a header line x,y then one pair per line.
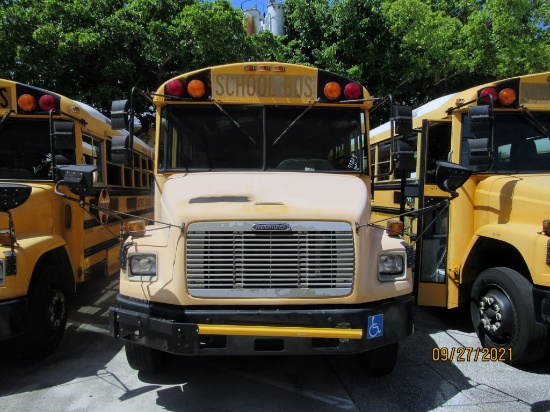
x,y
534,89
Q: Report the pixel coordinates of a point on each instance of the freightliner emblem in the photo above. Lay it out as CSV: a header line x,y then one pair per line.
x,y
263,227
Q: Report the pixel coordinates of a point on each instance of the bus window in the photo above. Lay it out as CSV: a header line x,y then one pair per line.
x,y
92,155
25,151
438,147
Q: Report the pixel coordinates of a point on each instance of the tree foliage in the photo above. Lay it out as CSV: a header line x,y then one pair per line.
x,y
97,50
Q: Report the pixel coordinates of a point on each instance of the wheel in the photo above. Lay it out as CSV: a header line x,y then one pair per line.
x,y
144,358
379,361
503,316
48,312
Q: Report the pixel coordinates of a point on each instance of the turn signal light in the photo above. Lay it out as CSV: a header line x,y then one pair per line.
x,y
394,228
136,227
5,238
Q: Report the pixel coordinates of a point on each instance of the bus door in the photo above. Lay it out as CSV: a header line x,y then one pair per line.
x,y
432,226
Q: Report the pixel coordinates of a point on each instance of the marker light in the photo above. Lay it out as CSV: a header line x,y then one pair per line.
x,y
136,227
5,237
394,227
47,103
353,91
174,88
26,102
484,95
332,90
507,96
196,89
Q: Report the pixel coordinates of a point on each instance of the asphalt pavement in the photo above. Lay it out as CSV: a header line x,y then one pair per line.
x,y
89,372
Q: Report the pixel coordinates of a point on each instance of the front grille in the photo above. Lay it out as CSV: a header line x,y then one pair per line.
x,y
230,259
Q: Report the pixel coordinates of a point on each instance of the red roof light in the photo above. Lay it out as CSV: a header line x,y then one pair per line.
x,y
174,88
47,103
353,91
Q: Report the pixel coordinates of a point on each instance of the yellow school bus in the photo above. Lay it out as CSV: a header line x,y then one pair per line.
x,y
48,243
490,247
262,242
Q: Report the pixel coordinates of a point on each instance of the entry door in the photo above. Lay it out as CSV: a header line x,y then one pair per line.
x,y
432,226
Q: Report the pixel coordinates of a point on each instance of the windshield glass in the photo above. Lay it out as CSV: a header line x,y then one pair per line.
x,y
262,138
25,149
519,145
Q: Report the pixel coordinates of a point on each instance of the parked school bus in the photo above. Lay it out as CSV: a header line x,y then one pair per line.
x,y
262,243
48,243
490,248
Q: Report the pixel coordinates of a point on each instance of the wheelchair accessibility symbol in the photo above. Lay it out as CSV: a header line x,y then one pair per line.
x,y
376,326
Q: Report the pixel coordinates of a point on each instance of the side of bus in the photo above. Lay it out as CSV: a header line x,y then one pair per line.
x,y
489,248
49,243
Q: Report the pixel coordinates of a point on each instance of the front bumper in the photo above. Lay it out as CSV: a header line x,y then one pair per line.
x,y
262,330
12,318
541,300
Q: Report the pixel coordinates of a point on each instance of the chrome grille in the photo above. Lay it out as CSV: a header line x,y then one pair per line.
x,y
230,259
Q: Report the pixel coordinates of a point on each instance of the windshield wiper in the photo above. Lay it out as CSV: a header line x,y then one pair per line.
x,y
8,113
295,120
233,121
534,121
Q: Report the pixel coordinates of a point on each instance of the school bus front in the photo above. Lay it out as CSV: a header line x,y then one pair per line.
x,y
262,243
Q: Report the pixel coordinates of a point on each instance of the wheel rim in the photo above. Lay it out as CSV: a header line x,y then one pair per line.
x,y
57,309
497,314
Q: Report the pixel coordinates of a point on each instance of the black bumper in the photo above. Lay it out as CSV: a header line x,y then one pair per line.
x,y
12,318
177,329
541,300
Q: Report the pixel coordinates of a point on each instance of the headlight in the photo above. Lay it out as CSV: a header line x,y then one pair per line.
x,y
392,266
142,266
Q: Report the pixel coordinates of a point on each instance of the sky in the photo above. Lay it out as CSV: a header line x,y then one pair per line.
x,y
249,4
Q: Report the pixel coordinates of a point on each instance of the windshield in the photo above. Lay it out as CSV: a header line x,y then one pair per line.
x,y
519,145
25,149
261,138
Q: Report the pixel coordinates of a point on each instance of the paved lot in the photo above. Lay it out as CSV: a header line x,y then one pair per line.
x,y
89,373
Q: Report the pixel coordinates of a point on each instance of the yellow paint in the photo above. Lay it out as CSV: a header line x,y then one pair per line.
x,y
284,331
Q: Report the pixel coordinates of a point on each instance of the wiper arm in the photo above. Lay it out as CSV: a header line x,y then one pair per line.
x,y
233,121
298,118
8,113
534,121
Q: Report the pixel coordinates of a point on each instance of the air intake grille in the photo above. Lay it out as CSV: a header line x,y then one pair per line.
x,y
230,259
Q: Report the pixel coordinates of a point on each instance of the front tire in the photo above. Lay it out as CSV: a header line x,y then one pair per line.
x,y
379,361
503,315
48,312
145,359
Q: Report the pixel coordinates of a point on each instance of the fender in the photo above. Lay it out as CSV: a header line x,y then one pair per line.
x,y
28,251
527,239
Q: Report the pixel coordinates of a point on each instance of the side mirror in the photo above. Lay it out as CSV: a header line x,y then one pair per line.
x,y
120,111
403,158
63,136
479,152
402,116
450,176
120,150
78,178
13,195
481,118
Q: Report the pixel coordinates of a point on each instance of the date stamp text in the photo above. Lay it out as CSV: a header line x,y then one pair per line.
x,y
468,354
